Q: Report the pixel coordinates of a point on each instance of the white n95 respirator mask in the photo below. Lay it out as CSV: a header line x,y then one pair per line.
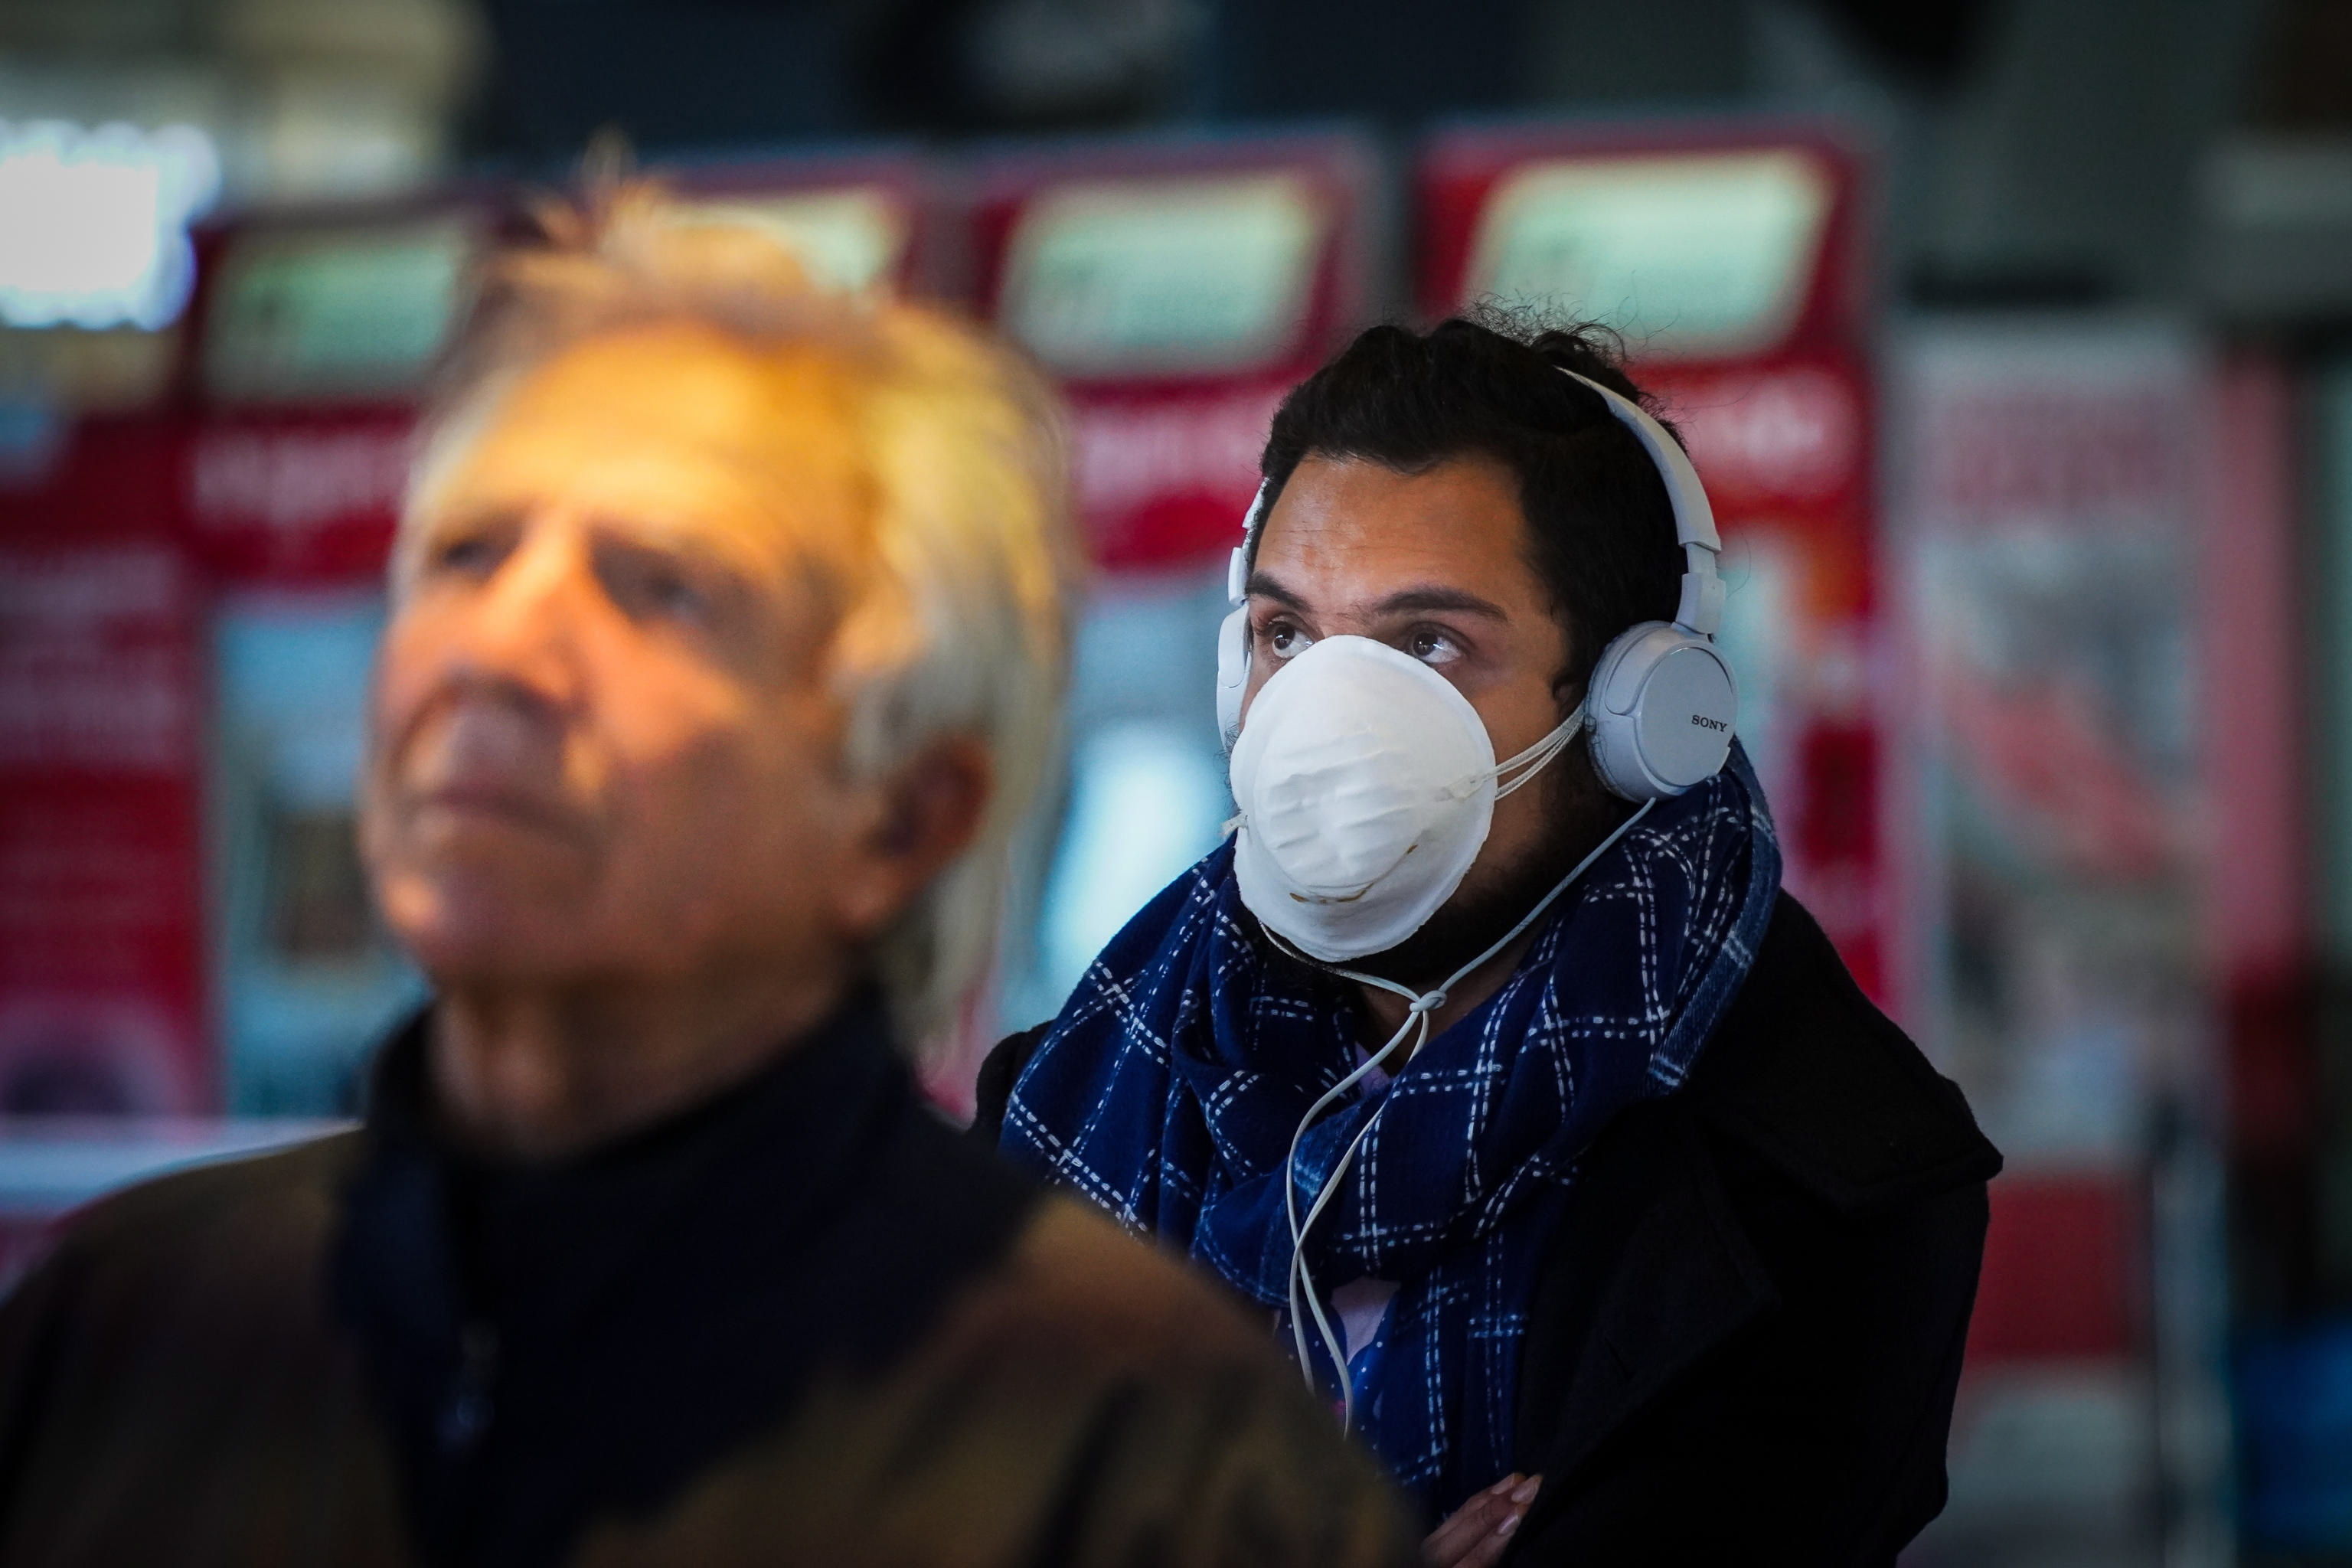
x,y
1366,784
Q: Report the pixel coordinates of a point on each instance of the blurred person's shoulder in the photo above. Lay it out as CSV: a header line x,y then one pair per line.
x,y
1078,1290
222,1260
248,1225
1090,1401
175,1346
1189,1425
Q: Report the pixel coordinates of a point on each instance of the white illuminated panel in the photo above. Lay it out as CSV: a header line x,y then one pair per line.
x,y
335,311
1689,255
1193,274
94,223
1147,799
848,239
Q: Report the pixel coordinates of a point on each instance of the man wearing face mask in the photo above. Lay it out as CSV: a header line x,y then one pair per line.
x,y
1489,1054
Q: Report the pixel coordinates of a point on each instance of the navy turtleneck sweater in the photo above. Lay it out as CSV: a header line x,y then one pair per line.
x,y
554,1342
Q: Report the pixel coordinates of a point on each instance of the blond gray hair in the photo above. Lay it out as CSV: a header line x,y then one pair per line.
x,y
964,630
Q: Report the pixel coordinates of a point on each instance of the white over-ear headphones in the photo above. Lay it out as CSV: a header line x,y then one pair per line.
x,y
1662,702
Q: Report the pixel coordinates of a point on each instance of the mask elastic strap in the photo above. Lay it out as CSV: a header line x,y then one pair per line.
x,y
1535,758
1526,764
1416,1022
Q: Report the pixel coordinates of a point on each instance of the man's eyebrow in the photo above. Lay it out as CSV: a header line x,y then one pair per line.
x,y
712,549
1405,602
464,514
1261,586
1413,600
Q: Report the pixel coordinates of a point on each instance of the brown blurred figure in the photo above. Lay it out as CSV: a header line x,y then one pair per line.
x,y
727,637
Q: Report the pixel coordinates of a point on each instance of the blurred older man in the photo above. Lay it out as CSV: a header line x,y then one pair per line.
x,y
727,633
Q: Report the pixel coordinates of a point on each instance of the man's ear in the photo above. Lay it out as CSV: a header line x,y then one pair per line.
x,y
925,814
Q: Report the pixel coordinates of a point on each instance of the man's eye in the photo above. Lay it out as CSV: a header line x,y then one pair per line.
x,y
671,592
470,554
662,591
1432,647
1286,641
652,584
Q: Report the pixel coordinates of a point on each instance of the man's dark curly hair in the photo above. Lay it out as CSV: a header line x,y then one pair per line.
x,y
1600,525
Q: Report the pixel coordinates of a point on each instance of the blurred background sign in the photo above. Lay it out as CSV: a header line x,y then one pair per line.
x,y
307,981
329,311
2050,536
851,240
1179,289
1693,255
1186,277
2051,524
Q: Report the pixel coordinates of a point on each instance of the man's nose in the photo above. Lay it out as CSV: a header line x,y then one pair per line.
x,y
526,626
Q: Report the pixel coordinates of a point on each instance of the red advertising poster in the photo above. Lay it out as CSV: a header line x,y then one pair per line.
x,y
295,498
102,993
1727,256
1178,290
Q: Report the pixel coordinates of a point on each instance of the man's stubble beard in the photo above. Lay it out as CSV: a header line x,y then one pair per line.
x,y
1578,813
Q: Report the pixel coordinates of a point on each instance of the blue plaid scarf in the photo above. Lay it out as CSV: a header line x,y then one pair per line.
x,y
1168,1089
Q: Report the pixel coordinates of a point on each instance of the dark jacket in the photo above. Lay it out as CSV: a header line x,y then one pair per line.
x,y
1744,1345
804,1324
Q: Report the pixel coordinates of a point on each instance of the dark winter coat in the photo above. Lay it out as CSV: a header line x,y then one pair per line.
x,y
1744,1345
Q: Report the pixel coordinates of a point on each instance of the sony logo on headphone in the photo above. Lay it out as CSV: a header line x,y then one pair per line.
x,y
1704,723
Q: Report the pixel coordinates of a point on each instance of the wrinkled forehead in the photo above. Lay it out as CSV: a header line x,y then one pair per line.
x,y
670,429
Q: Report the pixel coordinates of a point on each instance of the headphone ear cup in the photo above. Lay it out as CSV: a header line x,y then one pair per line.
x,y
1613,745
1232,675
1662,704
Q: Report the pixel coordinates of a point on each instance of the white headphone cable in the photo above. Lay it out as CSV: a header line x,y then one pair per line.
x,y
1422,1004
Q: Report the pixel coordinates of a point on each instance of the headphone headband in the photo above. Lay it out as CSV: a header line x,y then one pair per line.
x,y
1694,517
1701,609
